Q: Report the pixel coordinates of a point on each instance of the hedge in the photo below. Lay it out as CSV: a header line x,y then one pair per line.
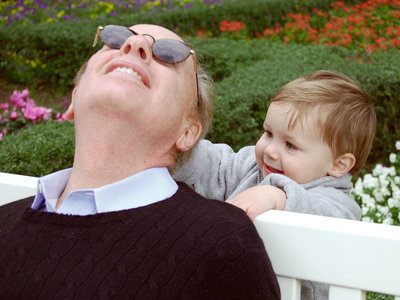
x,y
38,150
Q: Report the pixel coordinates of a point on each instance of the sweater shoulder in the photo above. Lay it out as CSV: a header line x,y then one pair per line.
x,y
10,212
226,220
213,208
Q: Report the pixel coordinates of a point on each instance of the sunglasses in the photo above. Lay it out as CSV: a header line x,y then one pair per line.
x,y
165,50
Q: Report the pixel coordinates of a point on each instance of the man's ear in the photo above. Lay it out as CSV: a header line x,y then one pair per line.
x,y
189,136
342,165
70,111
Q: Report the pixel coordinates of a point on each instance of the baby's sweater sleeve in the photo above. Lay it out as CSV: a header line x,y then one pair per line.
x,y
215,170
327,196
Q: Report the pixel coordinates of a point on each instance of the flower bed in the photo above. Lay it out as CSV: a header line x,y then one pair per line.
x,y
34,12
369,26
22,112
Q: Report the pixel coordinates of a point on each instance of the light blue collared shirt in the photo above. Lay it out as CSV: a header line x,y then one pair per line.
x,y
141,189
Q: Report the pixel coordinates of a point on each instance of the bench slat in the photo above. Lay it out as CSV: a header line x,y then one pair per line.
x,y
342,293
334,251
290,288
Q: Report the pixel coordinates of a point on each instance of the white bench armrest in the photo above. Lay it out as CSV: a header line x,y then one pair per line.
x,y
14,187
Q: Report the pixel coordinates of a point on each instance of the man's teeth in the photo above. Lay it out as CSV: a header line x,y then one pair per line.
x,y
127,70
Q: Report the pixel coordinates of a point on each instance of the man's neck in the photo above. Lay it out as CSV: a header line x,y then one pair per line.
x,y
105,164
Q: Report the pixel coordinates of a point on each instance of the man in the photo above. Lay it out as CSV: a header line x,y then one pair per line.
x,y
116,224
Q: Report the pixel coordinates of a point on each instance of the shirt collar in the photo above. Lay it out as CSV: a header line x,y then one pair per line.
x,y
141,189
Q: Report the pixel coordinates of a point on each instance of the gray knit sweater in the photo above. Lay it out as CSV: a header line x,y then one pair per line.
x,y
216,171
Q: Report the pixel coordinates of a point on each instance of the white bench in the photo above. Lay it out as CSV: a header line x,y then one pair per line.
x,y
352,257
14,187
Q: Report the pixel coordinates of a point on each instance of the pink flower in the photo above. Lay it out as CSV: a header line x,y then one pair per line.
x,y
13,115
36,113
17,99
61,117
4,131
24,94
4,106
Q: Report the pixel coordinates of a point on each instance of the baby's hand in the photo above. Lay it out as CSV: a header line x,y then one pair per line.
x,y
259,199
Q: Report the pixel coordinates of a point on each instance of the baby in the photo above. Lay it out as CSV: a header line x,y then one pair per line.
x,y
318,130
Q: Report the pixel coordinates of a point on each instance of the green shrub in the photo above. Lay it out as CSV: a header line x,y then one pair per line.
x,y
47,55
38,150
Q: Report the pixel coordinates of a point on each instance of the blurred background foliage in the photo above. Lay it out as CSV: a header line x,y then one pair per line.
x,y
42,52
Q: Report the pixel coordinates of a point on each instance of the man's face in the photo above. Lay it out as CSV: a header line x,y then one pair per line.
x,y
298,153
131,86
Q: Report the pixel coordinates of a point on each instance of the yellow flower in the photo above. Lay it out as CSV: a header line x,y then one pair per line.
x,y
60,14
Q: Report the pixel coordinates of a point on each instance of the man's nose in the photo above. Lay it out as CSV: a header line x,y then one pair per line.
x,y
139,45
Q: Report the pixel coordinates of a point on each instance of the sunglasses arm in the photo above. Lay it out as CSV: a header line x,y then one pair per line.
x,y
195,72
96,37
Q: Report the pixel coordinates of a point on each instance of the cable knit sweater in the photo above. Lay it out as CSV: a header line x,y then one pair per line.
x,y
186,247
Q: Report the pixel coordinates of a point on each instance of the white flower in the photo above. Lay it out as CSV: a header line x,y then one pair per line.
x,y
367,219
392,158
397,180
384,210
388,220
367,199
396,194
393,202
391,171
358,187
377,170
378,195
398,145
383,180
364,210
370,181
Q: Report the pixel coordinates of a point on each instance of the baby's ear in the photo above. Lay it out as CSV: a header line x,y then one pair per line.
x,y
342,165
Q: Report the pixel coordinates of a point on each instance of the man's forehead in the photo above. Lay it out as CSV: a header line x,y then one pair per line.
x,y
155,31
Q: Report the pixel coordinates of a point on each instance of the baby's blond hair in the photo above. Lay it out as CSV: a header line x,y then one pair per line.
x,y
345,117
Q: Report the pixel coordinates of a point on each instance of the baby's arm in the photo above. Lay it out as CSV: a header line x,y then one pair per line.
x,y
215,170
259,199
327,196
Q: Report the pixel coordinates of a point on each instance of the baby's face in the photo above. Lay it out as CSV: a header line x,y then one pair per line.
x,y
298,153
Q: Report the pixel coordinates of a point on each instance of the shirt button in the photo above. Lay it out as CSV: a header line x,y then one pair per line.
x,y
40,188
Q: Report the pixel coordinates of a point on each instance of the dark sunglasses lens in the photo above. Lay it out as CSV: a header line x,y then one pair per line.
x,y
170,51
115,36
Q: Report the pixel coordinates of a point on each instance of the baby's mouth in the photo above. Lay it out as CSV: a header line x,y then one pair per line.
x,y
271,170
